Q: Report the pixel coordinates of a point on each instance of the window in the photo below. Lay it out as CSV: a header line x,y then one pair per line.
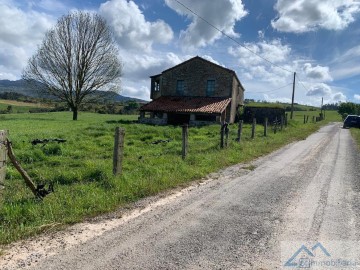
x,y
210,88
180,85
157,86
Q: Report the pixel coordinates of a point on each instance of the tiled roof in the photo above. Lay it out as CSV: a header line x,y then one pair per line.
x,y
187,105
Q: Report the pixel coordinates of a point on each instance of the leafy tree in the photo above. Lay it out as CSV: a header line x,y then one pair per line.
x,y
77,58
9,109
131,107
331,106
348,108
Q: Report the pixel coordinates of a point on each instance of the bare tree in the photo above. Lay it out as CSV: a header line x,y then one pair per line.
x,y
77,58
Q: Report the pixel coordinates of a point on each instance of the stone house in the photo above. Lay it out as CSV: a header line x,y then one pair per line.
x,y
196,92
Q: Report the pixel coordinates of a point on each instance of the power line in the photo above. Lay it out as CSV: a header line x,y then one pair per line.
x,y
231,38
273,90
302,84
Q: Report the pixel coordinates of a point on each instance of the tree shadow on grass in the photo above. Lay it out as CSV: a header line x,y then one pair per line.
x,y
122,121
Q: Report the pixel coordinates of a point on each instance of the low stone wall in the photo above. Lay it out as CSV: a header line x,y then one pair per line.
x,y
195,123
261,112
153,121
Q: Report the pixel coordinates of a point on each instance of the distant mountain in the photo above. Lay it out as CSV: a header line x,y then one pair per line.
x,y
21,87
17,87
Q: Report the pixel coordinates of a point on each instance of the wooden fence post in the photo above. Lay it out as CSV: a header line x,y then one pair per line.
x,y
222,134
253,128
185,135
118,150
28,181
281,122
286,119
313,120
223,131
275,125
307,119
3,135
304,118
240,130
265,126
226,135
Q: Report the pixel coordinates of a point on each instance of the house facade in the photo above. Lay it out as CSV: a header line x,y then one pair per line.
x,y
196,92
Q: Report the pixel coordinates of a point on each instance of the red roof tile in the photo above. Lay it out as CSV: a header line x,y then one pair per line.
x,y
187,105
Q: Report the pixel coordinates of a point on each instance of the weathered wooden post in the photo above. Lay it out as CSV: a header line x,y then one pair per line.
x,y
238,139
286,119
222,135
118,150
281,122
307,119
3,135
223,131
226,135
185,135
313,120
253,128
265,126
304,118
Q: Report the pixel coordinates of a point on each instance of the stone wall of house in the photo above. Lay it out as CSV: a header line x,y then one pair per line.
x,y
195,75
154,91
237,99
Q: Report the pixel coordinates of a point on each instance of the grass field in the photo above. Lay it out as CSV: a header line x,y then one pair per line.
x,y
81,168
20,107
281,105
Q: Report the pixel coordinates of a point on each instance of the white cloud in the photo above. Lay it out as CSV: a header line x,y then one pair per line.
x,y
346,65
319,89
131,29
261,34
357,97
301,16
352,52
142,65
222,14
273,50
209,58
277,99
339,97
317,72
20,33
26,30
7,76
254,67
130,90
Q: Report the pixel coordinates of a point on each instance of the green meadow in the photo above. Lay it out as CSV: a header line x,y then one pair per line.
x,y
81,168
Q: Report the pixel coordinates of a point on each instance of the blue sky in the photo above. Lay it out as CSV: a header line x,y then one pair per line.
x,y
319,40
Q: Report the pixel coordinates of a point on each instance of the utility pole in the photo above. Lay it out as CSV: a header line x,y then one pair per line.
x,y
292,99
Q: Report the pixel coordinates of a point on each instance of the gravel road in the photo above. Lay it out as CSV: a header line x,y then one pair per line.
x,y
248,216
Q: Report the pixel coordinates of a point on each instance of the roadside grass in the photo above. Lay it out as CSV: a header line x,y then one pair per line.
x,y
355,132
81,168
